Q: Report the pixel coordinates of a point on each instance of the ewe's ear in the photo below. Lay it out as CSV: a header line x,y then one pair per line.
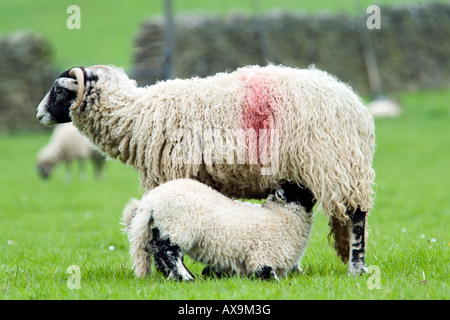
x,y
68,83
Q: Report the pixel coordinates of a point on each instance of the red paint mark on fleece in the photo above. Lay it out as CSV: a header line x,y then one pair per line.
x,y
259,104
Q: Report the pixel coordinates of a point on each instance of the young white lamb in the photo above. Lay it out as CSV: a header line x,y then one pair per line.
x,y
243,133
230,236
66,145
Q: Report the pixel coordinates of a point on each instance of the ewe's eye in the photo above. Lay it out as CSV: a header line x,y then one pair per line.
x,y
59,90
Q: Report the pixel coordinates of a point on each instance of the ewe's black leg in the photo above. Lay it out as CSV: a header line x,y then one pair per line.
x,y
266,273
357,237
169,258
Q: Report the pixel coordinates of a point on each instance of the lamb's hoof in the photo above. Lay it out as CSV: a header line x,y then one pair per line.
x,y
297,269
180,277
267,273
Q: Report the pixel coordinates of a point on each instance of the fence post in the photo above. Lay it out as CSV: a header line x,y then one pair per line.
x,y
167,68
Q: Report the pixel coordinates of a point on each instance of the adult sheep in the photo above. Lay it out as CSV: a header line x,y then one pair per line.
x,y
188,217
243,133
66,145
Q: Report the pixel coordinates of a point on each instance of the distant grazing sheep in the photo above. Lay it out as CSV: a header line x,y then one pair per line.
x,y
230,236
66,145
383,107
244,133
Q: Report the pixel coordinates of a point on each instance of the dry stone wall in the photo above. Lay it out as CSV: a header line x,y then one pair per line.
x,y
412,48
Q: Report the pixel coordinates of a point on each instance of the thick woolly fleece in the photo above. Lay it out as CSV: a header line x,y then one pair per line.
x,y
323,134
227,235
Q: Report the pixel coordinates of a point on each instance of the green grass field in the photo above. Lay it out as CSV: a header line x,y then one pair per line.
x,y
48,226
108,29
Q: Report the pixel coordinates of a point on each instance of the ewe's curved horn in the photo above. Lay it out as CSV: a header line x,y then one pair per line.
x,y
79,75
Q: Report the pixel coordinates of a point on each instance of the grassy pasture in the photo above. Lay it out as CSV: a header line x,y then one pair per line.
x,y
108,29
47,226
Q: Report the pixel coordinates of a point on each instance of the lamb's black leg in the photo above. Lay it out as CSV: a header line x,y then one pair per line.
x,y
357,237
156,243
169,258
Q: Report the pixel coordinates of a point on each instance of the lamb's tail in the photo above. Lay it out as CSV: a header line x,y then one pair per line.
x,y
137,223
128,214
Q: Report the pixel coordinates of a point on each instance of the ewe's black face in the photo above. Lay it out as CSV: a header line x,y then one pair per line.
x,y
55,106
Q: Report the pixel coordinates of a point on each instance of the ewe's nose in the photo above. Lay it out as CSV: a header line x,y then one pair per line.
x,y
40,110
38,115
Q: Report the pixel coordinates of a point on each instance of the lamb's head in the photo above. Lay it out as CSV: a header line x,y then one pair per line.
x,y
292,193
67,94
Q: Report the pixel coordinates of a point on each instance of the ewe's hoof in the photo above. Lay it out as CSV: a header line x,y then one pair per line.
x,y
357,270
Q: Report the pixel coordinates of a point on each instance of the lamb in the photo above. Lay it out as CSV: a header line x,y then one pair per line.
x,y
66,145
244,133
230,236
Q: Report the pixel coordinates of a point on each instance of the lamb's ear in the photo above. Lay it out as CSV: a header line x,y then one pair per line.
x,y
279,195
68,83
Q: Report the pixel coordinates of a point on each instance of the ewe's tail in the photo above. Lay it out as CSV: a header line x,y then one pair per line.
x,y
137,223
